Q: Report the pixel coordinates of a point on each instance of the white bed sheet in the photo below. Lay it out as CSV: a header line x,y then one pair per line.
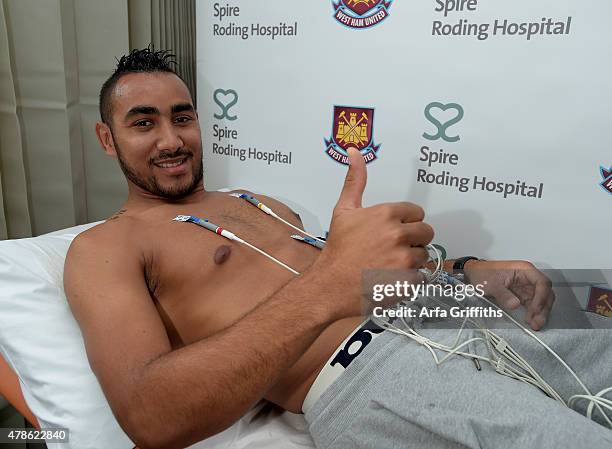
x,y
267,429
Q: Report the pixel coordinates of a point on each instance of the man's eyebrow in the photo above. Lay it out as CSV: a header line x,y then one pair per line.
x,y
136,110
182,107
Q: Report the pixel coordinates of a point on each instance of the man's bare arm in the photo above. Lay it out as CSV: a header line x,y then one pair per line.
x,y
170,399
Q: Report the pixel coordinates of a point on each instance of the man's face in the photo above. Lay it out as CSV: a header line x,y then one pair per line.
x,y
156,134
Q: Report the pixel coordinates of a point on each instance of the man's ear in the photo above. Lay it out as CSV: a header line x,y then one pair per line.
x,y
105,136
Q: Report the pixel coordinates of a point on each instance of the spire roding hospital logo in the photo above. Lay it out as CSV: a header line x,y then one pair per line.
x,y
443,127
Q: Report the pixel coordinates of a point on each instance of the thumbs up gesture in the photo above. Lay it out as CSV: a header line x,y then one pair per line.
x,y
387,236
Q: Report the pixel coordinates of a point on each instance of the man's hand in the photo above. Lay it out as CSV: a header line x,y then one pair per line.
x,y
387,236
512,283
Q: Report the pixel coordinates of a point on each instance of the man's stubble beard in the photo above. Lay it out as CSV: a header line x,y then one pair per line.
x,y
150,184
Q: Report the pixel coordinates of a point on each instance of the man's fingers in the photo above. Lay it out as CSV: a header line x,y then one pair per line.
x,y
543,298
544,313
354,183
417,234
505,298
403,211
419,257
542,295
542,316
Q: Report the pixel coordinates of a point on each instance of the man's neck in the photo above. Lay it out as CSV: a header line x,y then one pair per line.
x,y
140,200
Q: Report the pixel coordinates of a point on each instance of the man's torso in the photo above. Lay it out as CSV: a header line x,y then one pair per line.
x,y
197,297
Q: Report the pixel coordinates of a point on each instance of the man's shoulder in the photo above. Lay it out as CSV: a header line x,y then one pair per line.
x,y
112,234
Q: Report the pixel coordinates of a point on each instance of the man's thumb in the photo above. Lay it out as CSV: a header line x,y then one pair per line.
x,y
354,183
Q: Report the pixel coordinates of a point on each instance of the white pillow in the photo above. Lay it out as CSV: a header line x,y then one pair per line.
x,y
41,341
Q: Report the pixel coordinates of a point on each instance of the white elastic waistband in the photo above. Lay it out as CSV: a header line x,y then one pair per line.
x,y
347,351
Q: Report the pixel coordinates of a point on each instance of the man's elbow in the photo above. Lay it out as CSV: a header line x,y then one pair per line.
x,y
146,436
154,420
150,430
145,433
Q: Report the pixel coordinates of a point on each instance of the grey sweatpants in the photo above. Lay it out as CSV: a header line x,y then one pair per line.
x,y
394,396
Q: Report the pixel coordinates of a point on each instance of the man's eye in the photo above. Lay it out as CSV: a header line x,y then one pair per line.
x,y
143,123
183,119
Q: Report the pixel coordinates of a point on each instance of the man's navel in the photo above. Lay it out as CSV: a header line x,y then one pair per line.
x,y
222,254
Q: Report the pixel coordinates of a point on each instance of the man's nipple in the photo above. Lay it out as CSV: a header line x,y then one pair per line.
x,y
222,254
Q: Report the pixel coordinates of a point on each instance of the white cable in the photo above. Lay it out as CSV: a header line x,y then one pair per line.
x,y
270,212
273,259
607,403
295,227
523,371
554,354
433,276
595,400
501,367
260,251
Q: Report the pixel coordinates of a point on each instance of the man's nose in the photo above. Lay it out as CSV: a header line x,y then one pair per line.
x,y
169,137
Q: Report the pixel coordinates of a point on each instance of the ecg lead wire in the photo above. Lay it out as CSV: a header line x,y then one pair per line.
x,y
258,204
595,400
205,223
320,243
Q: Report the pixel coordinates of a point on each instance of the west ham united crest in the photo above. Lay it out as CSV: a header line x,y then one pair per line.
x,y
361,13
600,301
607,179
352,127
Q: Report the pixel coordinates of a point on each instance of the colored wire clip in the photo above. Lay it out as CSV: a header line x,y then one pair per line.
x,y
208,225
316,243
203,222
258,204
254,201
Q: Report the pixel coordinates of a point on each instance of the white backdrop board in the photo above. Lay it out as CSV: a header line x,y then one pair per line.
x,y
493,115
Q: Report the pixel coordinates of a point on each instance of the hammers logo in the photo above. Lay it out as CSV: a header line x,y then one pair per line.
x,y
607,179
352,127
600,301
361,14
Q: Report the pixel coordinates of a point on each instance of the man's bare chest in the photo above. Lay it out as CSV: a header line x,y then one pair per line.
x,y
197,288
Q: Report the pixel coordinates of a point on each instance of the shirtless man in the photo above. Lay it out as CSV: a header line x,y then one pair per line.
x,y
186,330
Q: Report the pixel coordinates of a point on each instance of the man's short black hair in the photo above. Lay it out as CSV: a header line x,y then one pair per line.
x,y
145,60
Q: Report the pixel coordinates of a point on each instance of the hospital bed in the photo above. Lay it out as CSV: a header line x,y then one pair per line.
x,y
44,371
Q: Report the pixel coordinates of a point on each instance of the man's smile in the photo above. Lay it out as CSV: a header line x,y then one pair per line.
x,y
173,166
